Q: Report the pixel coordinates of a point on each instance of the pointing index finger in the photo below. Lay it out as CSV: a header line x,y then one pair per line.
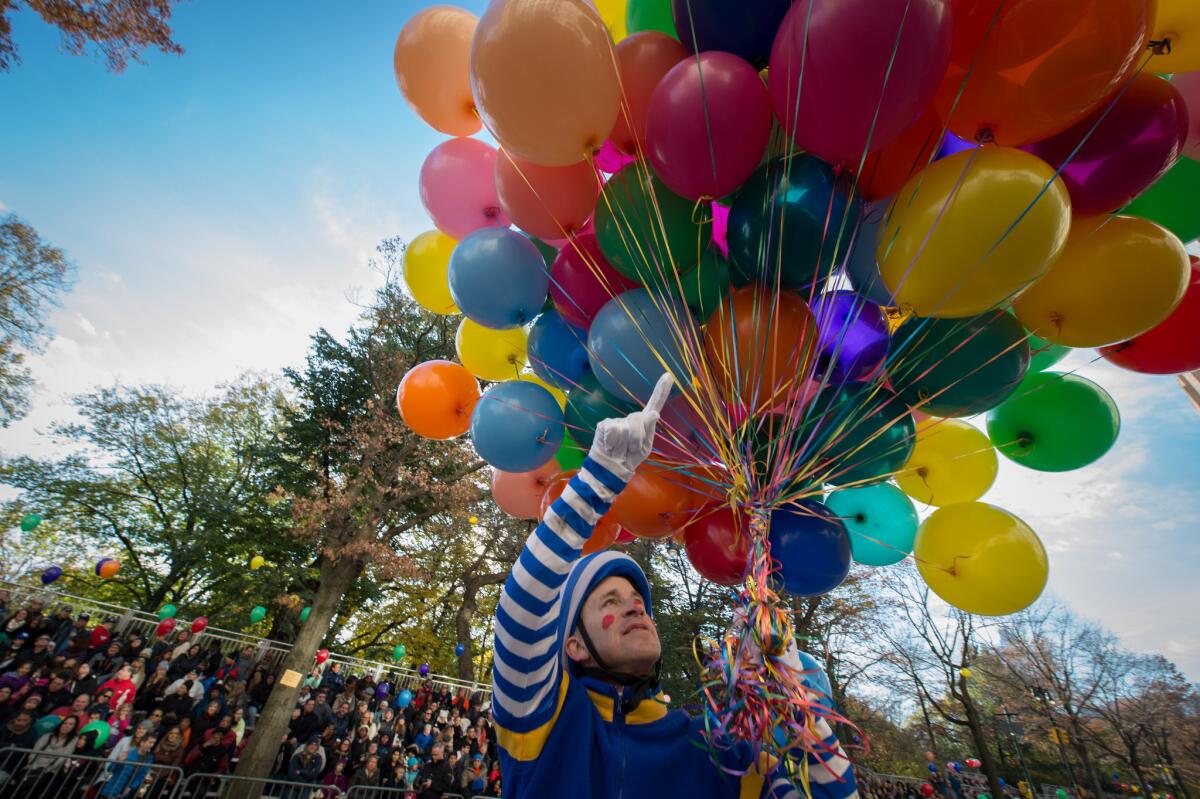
x,y
662,392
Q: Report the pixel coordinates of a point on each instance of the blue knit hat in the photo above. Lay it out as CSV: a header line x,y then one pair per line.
x,y
585,575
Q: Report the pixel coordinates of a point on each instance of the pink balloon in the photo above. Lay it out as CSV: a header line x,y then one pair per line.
x,y
610,159
519,494
581,281
458,189
1188,86
853,96
720,233
708,125
624,537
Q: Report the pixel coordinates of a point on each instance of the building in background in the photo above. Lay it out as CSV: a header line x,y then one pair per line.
x,y
1191,385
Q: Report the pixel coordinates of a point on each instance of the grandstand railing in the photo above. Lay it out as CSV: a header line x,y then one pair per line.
x,y
47,775
267,652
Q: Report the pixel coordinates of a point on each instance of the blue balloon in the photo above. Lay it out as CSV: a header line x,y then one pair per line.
x,y
932,768
517,426
861,266
811,547
558,350
952,144
404,698
498,278
381,690
746,29
51,574
631,338
852,336
881,520
459,649
816,679
791,223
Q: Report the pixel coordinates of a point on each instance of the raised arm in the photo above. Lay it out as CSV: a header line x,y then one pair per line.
x,y
526,679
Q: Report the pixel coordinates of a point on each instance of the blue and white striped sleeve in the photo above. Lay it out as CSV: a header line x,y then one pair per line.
x,y
830,775
525,670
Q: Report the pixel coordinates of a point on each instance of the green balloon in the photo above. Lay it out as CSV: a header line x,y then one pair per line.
x,y
705,286
1044,354
1055,422
587,405
1171,202
958,367
570,455
166,612
304,614
258,614
859,432
102,731
643,228
398,652
881,520
30,521
650,15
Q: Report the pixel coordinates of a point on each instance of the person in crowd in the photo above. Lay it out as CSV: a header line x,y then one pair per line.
x,y
130,742
105,662
101,633
132,769
437,777
42,770
335,779
368,775
122,688
85,681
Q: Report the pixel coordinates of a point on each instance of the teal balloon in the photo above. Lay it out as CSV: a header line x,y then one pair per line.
x,y
588,404
792,223
47,724
958,367
167,611
304,614
102,731
258,614
398,652
857,432
881,520
1055,422
30,521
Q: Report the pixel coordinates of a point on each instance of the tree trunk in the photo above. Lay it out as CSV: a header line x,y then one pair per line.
x,y
259,754
1085,758
465,615
980,739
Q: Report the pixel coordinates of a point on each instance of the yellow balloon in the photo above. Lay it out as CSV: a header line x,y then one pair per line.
x,y
966,673
1176,21
613,14
544,77
951,244
981,559
952,461
257,562
1118,277
427,269
555,391
490,354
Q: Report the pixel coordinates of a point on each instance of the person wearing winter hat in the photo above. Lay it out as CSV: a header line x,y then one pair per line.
x,y
575,700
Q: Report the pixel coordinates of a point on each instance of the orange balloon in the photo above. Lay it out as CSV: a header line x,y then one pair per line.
x,y
436,398
886,171
1038,67
432,64
109,568
545,79
606,529
762,342
550,202
643,58
657,502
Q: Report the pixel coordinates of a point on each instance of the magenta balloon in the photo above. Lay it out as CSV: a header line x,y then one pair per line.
x,y
458,188
853,96
1188,86
611,160
720,235
1117,151
581,280
708,125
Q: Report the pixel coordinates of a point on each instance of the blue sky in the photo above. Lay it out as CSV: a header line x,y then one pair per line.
x,y
221,207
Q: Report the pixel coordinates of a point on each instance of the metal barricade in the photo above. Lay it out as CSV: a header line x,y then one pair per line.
x,y
28,773
231,786
379,792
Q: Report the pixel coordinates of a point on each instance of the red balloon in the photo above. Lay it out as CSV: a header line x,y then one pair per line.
x,y
887,170
198,624
926,789
718,545
1170,348
581,281
708,125
164,628
322,656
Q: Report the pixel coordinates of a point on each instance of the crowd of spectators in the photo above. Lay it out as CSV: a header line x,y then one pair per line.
x,y
72,688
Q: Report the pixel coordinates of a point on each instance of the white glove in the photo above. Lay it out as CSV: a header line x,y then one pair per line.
x,y
622,444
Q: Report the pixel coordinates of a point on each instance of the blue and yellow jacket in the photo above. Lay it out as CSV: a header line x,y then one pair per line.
x,y
565,735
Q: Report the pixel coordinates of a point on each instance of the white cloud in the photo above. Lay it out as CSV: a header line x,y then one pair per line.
x,y
85,325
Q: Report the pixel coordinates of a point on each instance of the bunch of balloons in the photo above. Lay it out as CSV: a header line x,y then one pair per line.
x,y
840,253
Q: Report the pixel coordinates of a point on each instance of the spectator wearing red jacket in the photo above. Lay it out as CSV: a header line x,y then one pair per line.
x,y
123,689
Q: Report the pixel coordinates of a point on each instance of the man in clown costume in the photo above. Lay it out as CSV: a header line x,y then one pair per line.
x,y
575,698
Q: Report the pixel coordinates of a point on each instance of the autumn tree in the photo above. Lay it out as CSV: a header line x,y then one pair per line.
x,y
120,29
358,479
33,275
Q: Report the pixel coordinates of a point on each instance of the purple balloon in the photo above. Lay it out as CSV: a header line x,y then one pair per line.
x,y
952,144
852,336
1137,138
849,76
381,690
51,574
424,670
